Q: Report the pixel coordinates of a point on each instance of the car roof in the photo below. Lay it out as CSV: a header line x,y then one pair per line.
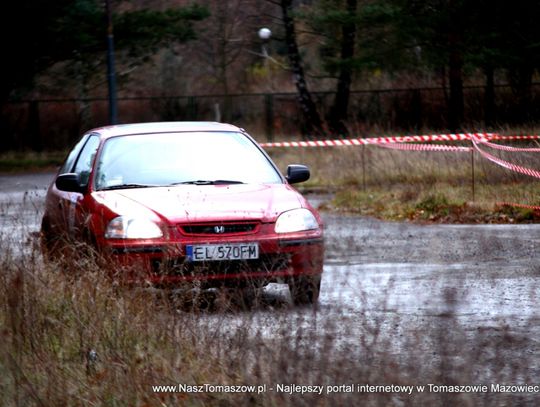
x,y
161,127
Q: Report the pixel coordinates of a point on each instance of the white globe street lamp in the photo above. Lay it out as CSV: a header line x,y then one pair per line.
x,y
265,34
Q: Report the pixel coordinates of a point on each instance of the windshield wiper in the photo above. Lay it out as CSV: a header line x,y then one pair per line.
x,y
208,182
127,186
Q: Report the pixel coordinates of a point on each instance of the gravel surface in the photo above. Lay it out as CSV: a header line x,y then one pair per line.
x,y
461,298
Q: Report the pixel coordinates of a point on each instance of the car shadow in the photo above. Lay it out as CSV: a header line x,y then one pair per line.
x,y
227,300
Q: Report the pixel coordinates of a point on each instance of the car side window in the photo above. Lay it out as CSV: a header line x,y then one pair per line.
x,y
83,166
70,160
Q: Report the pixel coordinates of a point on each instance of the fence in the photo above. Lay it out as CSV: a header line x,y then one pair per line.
x,y
55,124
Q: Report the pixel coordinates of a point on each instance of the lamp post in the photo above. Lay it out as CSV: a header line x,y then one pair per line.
x,y
264,35
111,73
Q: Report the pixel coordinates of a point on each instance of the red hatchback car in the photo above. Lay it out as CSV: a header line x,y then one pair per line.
x,y
175,202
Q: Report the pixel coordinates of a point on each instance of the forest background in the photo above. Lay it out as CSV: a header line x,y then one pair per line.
x,y
332,68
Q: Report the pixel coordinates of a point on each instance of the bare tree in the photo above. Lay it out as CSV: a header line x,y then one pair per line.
x,y
338,112
223,46
313,123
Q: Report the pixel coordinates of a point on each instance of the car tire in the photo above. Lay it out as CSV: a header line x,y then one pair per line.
x,y
248,297
305,289
50,245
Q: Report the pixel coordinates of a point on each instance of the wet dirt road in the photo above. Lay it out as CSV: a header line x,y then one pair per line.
x,y
21,207
458,297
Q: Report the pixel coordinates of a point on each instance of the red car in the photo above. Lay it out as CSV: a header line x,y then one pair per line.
x,y
169,203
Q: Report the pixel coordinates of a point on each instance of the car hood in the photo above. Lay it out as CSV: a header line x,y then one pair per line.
x,y
201,203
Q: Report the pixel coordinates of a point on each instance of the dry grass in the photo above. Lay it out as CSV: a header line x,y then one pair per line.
x,y
397,185
70,338
16,161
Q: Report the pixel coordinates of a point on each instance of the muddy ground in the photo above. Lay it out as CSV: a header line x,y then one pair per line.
x,y
456,299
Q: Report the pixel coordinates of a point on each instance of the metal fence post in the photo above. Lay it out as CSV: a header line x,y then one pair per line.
x,y
364,167
34,127
191,108
472,174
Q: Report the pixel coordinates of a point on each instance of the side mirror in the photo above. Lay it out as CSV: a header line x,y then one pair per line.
x,y
297,173
69,182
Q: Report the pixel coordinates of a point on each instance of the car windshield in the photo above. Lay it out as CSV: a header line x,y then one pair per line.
x,y
201,158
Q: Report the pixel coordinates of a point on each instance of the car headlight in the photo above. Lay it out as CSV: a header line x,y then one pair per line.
x,y
296,220
123,227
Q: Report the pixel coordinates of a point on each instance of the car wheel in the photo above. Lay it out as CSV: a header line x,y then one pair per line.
x,y
50,245
305,289
249,296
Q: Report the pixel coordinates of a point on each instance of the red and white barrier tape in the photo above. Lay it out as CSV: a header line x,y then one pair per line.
x,y
373,140
416,139
423,147
515,137
398,139
514,167
400,143
509,148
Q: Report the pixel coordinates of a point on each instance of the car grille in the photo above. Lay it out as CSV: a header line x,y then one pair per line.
x,y
181,267
212,229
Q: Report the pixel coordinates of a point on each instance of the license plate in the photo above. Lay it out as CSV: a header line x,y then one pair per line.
x,y
232,251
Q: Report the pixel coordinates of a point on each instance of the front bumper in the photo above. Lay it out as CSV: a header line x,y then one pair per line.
x,y
165,263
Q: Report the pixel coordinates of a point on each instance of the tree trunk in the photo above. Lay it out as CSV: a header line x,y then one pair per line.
x,y
222,63
456,105
338,112
521,81
313,123
455,66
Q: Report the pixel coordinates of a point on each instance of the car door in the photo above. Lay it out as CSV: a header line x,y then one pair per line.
x,y
55,218
72,203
